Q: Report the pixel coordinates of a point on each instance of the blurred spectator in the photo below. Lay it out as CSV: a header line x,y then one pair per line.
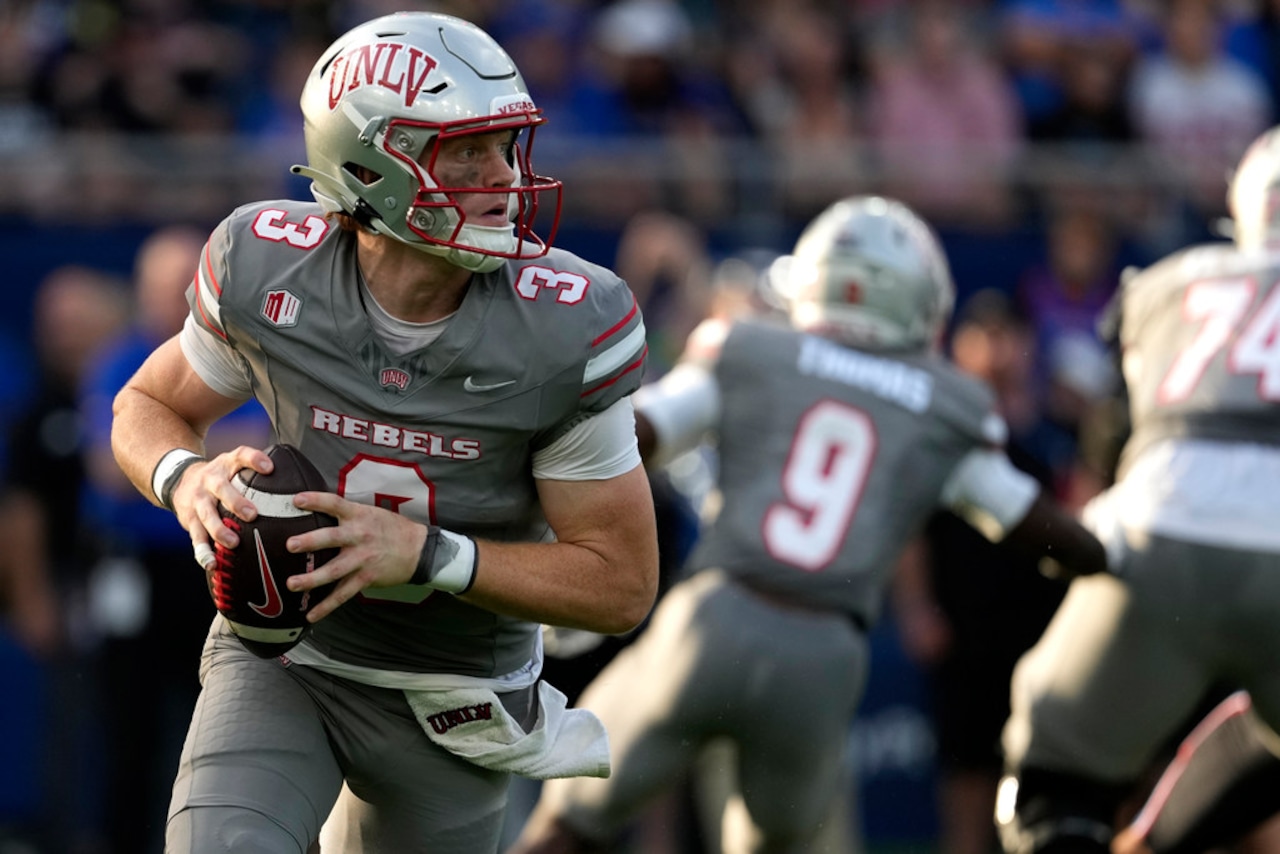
x,y
967,608
1196,106
1092,110
48,551
663,258
1253,37
270,117
795,78
645,85
153,68
944,119
1039,37
153,619
535,34
1064,297
76,311
22,39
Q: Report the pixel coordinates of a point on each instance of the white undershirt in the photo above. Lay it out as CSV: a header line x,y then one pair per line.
x,y
401,336
1217,493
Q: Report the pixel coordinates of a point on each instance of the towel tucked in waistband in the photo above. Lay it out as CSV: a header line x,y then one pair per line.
x,y
472,723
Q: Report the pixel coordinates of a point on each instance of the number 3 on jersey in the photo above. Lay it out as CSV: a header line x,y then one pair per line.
x,y
1221,307
826,470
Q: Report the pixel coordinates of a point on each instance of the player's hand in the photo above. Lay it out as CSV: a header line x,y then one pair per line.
x,y
206,485
377,548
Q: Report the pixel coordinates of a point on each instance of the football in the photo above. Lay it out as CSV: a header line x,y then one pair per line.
x,y
248,582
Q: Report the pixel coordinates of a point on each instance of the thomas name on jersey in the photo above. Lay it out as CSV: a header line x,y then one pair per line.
x,y
908,387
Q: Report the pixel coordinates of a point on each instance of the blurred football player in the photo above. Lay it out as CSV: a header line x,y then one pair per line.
x,y
1222,783
838,434
464,388
1191,526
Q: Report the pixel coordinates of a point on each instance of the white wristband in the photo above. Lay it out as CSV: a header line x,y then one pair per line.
x,y
169,464
459,573
447,561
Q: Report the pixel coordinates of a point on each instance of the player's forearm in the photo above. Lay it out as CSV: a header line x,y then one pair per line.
x,y
143,431
566,585
1049,532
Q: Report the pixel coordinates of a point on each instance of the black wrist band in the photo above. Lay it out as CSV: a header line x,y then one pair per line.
x,y
423,573
171,482
448,561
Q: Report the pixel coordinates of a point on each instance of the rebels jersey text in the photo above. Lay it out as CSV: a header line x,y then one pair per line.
x,y
443,434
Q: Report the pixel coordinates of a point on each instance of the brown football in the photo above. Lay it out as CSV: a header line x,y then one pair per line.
x,y
248,582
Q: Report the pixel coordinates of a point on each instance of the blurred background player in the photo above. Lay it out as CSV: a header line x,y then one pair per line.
x,y
49,716
837,437
151,618
1190,524
1222,787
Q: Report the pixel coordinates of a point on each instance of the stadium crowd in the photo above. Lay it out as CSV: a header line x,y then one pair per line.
x,y
1051,141
746,108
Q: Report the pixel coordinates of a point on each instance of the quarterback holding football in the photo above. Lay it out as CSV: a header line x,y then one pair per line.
x,y
462,388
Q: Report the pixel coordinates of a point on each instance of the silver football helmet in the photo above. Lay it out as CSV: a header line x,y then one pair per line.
x,y
871,272
1254,195
384,96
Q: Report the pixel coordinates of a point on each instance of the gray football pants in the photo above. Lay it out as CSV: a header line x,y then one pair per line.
x,y
1123,663
716,661
272,749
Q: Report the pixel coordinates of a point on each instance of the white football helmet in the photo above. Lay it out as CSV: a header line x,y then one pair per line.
x,y
871,272
1254,196
384,96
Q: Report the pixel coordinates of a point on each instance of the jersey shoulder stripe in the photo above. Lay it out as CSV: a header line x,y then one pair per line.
x,y
205,301
617,353
616,349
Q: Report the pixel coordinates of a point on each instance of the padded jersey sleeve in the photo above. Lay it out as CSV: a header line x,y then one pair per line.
x,y
608,341
616,355
684,404
215,360
206,290
989,492
598,448
984,488
682,407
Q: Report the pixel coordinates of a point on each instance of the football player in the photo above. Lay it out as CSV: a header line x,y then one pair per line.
x,y
837,436
1222,783
1191,526
464,388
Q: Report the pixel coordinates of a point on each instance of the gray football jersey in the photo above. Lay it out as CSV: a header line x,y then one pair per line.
x,y
831,459
1200,338
445,433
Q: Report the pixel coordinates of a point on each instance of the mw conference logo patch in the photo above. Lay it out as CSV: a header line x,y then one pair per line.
x,y
281,308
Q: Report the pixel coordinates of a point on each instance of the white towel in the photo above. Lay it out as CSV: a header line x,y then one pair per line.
x,y
471,723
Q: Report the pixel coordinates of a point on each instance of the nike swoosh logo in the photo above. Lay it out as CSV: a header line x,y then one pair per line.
x,y
470,385
274,606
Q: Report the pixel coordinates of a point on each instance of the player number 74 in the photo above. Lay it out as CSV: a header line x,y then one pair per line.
x,y
1221,307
